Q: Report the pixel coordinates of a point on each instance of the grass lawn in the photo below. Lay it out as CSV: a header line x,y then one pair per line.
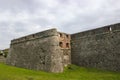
x,y
71,73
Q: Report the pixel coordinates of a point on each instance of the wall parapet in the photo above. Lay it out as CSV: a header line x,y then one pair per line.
x,y
51,50
97,31
98,48
43,34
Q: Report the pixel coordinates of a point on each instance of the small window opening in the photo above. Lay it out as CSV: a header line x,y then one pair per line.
x,y
67,36
61,44
33,35
67,45
43,62
109,28
61,35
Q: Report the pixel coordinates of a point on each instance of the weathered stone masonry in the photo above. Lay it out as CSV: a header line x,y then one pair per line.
x,y
98,48
52,50
41,51
2,58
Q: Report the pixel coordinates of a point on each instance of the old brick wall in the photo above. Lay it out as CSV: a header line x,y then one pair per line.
x,y
64,43
99,48
39,51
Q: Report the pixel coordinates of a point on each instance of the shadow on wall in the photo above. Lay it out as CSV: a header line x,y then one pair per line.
x,y
3,55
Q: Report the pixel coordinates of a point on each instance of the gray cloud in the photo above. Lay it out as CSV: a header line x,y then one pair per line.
x,y
23,17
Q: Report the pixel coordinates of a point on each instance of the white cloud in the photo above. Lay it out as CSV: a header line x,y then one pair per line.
x,y
23,17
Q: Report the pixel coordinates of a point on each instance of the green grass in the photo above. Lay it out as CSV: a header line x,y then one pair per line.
x,y
71,73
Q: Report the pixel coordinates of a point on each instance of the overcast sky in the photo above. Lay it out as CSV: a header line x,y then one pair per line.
x,y
23,17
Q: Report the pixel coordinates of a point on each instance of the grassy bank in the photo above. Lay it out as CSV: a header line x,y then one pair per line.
x,y
71,73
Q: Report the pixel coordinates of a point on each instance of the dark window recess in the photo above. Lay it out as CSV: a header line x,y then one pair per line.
x,y
67,45
67,36
43,62
61,44
109,28
61,35
25,37
33,36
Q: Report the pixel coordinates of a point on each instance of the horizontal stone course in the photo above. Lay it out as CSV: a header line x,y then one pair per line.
x,y
40,51
51,50
98,31
101,50
44,34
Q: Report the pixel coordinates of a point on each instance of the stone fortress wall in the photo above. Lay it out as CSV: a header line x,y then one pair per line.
x,y
2,59
51,50
3,55
40,51
99,48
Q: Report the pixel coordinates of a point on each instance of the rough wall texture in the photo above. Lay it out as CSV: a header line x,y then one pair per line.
x,y
39,51
64,43
98,48
2,59
51,50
